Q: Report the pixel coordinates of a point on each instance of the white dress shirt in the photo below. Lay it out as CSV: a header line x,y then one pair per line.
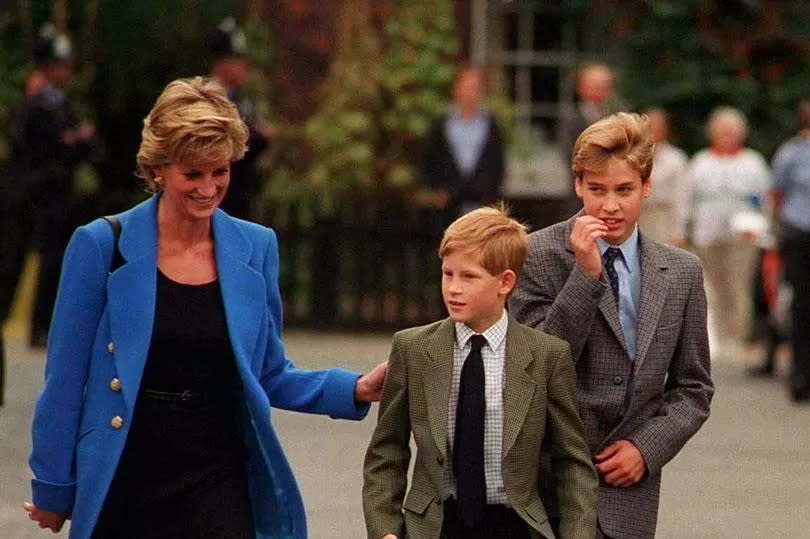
x,y
493,354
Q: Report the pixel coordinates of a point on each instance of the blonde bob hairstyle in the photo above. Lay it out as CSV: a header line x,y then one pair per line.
x,y
501,242
193,121
624,136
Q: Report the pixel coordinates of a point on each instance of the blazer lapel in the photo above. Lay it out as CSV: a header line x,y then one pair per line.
x,y
607,305
437,375
652,296
244,291
131,291
610,311
519,387
482,161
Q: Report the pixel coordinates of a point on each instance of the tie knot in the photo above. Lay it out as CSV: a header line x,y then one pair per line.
x,y
477,341
612,254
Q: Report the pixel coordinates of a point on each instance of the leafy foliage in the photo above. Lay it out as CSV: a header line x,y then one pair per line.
x,y
13,68
417,73
384,87
691,56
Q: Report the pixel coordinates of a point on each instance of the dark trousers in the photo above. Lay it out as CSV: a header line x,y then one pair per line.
x,y
15,231
764,327
220,510
795,246
498,522
53,226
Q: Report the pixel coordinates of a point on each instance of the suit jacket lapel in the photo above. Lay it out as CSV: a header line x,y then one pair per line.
x,y
519,387
482,161
448,148
244,291
610,311
652,296
131,291
437,375
607,305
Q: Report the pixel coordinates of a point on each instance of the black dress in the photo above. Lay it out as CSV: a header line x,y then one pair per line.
x,y
182,471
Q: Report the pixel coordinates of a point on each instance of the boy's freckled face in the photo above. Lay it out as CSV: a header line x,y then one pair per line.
x,y
471,294
615,196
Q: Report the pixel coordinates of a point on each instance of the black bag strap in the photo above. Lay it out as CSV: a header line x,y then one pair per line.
x,y
117,259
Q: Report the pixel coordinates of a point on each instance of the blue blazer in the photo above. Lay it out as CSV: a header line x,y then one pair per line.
x,y
101,329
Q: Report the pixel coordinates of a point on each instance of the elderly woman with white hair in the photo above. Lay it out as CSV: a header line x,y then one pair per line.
x,y
726,178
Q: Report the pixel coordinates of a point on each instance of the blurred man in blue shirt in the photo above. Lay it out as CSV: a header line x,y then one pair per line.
x,y
791,195
464,151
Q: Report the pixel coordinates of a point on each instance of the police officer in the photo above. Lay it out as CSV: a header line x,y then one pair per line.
x,y
230,68
15,218
50,142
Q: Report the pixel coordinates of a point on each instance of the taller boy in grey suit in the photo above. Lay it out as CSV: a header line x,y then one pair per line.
x,y
634,312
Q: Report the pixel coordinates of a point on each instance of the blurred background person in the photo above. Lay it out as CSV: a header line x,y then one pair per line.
x,y
231,67
15,221
791,197
665,211
768,304
34,82
726,179
464,151
594,88
50,142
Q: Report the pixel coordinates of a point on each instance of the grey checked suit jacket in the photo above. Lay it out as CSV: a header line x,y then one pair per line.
x,y
539,410
668,386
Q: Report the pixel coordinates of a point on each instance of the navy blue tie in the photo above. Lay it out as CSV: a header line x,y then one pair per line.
x,y
610,257
468,446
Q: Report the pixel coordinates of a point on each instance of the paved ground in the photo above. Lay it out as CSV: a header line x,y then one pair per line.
x,y
746,474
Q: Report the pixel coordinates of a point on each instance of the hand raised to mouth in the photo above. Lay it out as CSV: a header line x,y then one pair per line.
x,y
587,229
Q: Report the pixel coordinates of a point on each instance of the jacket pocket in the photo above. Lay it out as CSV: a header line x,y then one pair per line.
x,y
417,501
84,433
538,519
668,328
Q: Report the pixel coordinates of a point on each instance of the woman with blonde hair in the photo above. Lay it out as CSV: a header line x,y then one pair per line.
x,y
165,355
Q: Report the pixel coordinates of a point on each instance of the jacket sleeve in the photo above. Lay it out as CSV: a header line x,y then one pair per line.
x,y
328,391
498,162
79,306
385,469
563,314
688,391
431,156
575,477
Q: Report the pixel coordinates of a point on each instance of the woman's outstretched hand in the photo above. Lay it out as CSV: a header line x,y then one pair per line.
x,y
369,386
46,519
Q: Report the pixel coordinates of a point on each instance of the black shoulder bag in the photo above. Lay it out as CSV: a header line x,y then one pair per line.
x,y
117,259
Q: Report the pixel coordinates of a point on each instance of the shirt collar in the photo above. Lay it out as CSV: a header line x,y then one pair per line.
x,y
455,113
592,112
629,249
494,335
52,91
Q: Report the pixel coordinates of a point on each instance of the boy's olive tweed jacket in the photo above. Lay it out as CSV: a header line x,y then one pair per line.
x,y
539,411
